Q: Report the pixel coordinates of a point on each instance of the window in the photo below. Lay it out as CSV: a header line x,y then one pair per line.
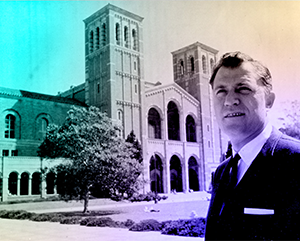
x,y
173,122
103,34
135,88
5,152
98,88
192,64
120,115
10,126
134,37
126,36
134,65
91,42
204,65
118,33
14,152
212,62
190,129
120,118
154,124
42,125
97,38
181,67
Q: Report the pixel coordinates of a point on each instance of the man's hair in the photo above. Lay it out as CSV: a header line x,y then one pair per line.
x,y
235,59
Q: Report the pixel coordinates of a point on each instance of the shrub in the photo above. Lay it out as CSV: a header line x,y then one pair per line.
x,y
44,217
128,223
146,225
102,222
15,214
24,215
41,217
72,220
190,227
85,221
3,214
150,196
56,219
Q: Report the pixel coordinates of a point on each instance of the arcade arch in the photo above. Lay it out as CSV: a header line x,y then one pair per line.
x,y
193,174
175,174
156,174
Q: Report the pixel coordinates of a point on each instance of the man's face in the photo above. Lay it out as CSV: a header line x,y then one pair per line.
x,y
240,102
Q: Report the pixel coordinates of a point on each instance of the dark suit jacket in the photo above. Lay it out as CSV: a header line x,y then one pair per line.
x,y
272,182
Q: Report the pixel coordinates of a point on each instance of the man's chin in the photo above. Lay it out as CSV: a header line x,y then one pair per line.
x,y
235,129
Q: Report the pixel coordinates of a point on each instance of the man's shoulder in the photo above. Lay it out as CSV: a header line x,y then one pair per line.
x,y
221,167
285,142
280,144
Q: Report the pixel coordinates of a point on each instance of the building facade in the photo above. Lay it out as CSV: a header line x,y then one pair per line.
x,y
175,122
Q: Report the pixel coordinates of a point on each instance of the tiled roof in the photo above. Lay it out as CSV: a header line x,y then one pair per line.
x,y
33,95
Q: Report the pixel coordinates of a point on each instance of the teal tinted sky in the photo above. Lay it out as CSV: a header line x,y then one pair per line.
x,y
42,42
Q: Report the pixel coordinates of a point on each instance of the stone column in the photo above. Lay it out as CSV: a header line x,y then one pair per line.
x,y
30,186
19,186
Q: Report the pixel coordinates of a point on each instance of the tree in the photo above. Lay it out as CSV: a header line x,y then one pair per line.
x,y
94,155
131,138
291,122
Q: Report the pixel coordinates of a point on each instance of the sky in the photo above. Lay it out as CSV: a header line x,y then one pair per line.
x,y
42,42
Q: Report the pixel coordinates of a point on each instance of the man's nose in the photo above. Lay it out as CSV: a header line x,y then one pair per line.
x,y
231,99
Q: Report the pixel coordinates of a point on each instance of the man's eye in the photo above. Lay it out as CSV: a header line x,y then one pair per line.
x,y
220,92
244,90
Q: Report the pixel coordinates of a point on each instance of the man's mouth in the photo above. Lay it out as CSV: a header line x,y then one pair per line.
x,y
235,114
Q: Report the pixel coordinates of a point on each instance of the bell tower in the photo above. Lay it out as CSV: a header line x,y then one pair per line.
x,y
114,72
192,68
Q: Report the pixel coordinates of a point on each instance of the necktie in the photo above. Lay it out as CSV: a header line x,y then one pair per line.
x,y
231,173
233,165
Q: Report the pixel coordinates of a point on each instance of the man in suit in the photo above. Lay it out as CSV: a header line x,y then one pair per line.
x,y
256,192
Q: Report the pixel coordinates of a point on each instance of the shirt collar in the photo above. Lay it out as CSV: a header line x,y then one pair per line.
x,y
252,148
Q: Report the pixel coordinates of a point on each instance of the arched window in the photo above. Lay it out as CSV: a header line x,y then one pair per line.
x,y
97,38
134,38
118,34
91,42
13,183
10,126
156,174
204,65
120,117
103,34
154,124
175,174
193,174
173,122
42,129
126,40
41,123
36,183
181,67
190,129
192,64
24,183
212,62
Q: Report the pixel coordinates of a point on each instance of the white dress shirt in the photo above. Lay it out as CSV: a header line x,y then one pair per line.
x,y
249,152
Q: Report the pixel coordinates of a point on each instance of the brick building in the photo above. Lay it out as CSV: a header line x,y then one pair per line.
x,y
174,122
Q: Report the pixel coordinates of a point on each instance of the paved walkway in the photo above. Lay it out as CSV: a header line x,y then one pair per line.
x,y
16,230
19,230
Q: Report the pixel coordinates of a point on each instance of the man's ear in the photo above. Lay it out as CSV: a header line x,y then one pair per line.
x,y
270,98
